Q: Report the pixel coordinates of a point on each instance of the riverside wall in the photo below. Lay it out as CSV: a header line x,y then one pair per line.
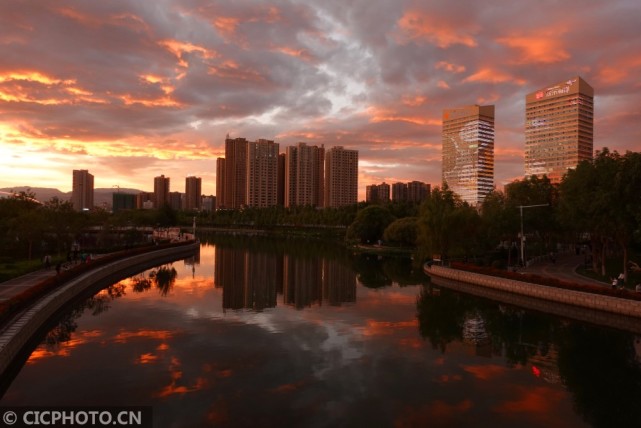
x,y
571,298
22,328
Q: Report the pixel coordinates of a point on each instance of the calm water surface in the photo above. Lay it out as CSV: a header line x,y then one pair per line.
x,y
264,332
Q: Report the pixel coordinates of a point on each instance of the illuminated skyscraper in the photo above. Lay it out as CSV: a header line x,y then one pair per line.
x,y
341,177
304,175
161,191
262,174
82,190
558,128
468,151
193,193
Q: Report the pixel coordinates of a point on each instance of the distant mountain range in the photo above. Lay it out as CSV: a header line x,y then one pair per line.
x,y
101,197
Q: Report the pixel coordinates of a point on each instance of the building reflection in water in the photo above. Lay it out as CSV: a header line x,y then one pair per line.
x,y
252,280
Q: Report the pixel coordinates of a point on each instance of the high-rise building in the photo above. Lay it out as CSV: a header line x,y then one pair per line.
x,y
468,151
304,175
220,182
193,193
262,174
558,128
82,190
281,180
377,193
417,191
399,192
161,191
341,177
235,186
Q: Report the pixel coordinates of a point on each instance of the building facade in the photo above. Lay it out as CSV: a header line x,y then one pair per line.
x,y
220,183
468,151
377,193
161,191
417,191
304,175
82,190
262,174
559,122
341,177
235,186
193,193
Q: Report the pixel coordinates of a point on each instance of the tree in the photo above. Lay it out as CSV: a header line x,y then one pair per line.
x,y
403,231
370,223
447,224
601,197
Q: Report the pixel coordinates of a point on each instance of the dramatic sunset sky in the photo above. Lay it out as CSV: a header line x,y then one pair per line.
x,y
133,89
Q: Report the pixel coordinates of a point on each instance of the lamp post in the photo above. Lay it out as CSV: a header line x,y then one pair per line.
x,y
522,234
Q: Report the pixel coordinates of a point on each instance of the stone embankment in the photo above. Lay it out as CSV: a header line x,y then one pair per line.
x,y
572,298
24,326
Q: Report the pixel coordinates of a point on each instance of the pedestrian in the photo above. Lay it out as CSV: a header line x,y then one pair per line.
x,y
47,261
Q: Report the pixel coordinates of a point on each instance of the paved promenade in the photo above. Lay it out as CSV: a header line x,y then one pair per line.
x,y
15,286
564,269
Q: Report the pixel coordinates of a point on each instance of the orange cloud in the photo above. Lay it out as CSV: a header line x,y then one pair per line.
x,y
444,65
178,48
542,48
618,71
417,25
489,75
226,25
413,100
377,114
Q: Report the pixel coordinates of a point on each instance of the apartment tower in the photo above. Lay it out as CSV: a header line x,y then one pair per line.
x,y
193,193
559,122
220,183
341,177
468,151
161,191
82,190
235,187
304,174
262,174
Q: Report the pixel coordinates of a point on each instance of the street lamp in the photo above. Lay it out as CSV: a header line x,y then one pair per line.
x,y
522,234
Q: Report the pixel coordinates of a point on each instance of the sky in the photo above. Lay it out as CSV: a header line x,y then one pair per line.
x,y
133,89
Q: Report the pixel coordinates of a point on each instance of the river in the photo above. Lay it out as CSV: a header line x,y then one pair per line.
x,y
274,332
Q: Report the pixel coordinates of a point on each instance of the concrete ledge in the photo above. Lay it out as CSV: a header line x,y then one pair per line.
x,y
19,332
597,302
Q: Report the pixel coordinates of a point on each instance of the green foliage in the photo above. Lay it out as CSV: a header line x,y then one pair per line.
x,y
403,231
370,223
447,226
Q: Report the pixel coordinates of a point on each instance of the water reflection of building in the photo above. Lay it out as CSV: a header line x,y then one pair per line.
x,y
339,283
254,280
302,281
475,335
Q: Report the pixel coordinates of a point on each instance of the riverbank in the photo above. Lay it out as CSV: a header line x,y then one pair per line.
x,y
588,300
40,303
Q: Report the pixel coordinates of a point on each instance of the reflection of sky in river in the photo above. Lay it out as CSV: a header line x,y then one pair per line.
x,y
361,363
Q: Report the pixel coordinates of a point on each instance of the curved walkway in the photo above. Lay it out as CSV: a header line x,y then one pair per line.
x,y
564,269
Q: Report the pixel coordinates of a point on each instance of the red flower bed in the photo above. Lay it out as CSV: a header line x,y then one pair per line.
x,y
604,290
